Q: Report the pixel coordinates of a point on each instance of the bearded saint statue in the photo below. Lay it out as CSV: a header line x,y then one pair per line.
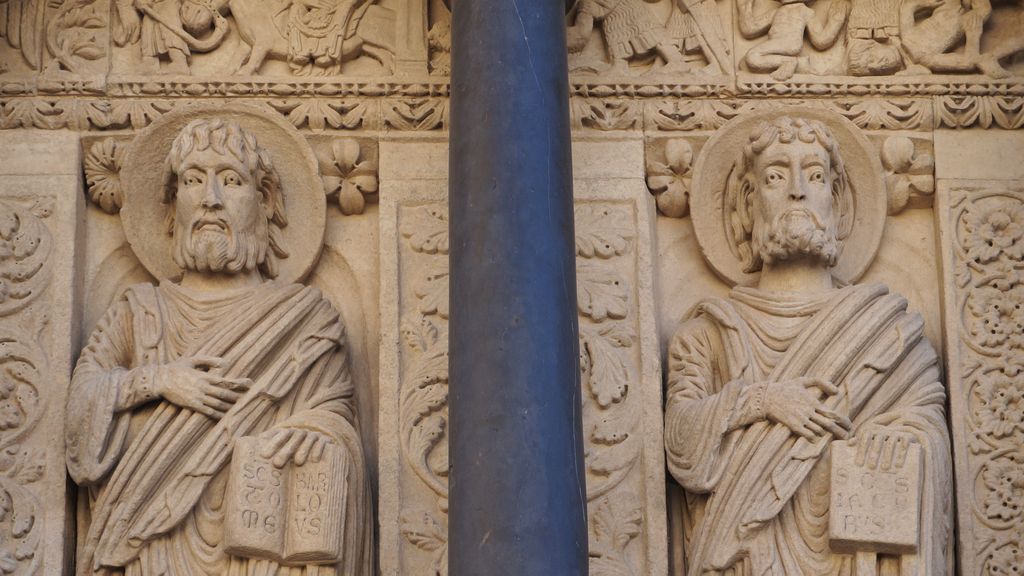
x,y
764,384
175,375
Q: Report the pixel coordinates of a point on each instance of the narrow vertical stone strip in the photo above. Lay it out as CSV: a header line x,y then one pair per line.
x,y
518,500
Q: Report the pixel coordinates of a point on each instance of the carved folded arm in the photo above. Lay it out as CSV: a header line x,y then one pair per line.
x,y
102,388
754,24
823,34
700,410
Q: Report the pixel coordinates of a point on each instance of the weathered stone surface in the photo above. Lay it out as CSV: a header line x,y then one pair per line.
x,y
40,210
766,385
618,351
981,226
223,397
936,89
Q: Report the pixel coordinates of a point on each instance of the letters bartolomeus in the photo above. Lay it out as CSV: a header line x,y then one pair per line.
x,y
765,384
175,375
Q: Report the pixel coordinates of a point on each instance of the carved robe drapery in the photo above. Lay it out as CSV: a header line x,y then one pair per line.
x,y
757,497
157,474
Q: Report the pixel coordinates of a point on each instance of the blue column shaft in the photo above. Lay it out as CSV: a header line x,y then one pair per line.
x,y
517,494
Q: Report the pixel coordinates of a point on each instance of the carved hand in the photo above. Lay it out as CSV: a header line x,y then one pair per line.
x,y
882,448
298,444
797,405
194,383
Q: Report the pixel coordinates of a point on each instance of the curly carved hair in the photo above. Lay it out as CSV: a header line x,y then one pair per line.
x,y
739,193
228,137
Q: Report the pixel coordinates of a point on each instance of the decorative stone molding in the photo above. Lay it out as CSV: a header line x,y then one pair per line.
x,y
982,233
618,363
40,208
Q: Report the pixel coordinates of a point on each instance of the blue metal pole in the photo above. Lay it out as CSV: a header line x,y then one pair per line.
x,y
517,494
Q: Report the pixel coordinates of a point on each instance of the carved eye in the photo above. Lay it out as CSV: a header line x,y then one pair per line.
x,y
231,178
773,177
192,180
817,176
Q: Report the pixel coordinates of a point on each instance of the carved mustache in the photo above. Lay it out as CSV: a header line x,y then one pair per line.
x,y
793,214
210,220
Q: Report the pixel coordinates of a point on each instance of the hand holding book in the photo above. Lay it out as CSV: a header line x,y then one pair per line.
x,y
287,497
296,444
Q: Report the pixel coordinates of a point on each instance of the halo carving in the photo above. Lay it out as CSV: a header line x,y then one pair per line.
x,y
718,159
145,170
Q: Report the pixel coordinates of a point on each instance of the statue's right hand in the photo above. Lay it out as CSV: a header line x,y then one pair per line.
x,y
797,405
195,383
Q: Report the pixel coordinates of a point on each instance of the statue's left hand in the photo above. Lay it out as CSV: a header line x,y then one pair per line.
x,y
881,448
295,444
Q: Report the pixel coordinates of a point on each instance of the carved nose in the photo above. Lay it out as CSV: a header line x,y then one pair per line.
x,y
211,199
797,193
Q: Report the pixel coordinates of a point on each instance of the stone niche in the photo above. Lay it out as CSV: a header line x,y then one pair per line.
x,y
321,128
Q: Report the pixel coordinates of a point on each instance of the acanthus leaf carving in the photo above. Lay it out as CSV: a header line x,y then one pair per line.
x,y
424,531
416,114
25,244
605,245
428,230
75,33
607,115
318,114
22,373
983,111
601,292
615,522
601,233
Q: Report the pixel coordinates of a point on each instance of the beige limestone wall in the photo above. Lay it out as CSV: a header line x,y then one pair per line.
x,y
942,114
42,208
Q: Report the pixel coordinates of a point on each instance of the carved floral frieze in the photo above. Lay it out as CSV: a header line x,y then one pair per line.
x,y
984,252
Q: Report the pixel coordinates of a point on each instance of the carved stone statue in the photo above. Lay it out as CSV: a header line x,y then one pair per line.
x,y
770,385
785,26
212,419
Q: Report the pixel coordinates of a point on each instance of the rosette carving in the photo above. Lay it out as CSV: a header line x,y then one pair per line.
x,y
988,267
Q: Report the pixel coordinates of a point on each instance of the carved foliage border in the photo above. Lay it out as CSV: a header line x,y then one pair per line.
x,y
600,113
985,319
610,366
25,248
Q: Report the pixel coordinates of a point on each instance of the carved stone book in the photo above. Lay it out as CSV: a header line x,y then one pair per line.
x,y
875,509
293,515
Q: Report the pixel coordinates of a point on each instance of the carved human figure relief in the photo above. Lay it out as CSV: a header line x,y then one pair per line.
x,y
211,419
314,37
805,414
691,40
784,27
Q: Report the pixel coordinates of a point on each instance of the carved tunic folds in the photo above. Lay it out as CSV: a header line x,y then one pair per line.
x,y
629,27
756,497
156,474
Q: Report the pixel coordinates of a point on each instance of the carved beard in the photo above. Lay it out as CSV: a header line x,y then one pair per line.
x,y
220,250
796,233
